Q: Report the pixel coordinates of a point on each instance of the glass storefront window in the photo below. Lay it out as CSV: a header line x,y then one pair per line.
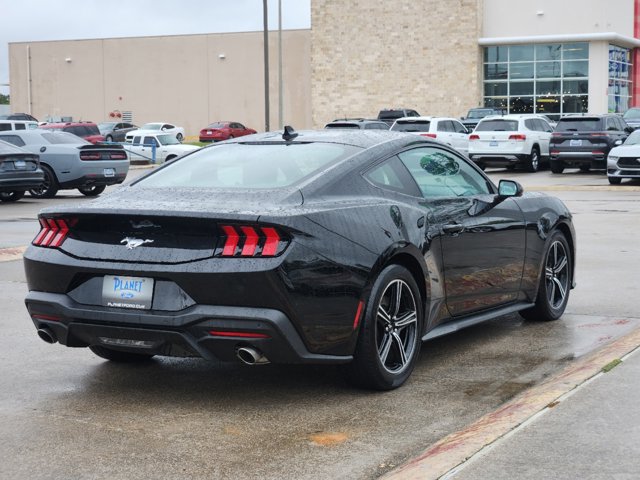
x,y
547,78
620,88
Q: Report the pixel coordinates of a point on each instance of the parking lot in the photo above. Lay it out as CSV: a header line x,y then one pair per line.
x,y
65,413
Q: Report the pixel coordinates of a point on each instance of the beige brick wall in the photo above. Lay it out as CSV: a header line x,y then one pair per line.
x,y
371,54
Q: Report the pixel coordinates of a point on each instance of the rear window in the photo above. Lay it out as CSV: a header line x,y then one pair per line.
x,y
391,114
497,126
92,130
249,166
217,125
579,125
411,126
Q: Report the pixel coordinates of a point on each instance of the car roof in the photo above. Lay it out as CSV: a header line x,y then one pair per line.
x,y
424,119
7,148
357,138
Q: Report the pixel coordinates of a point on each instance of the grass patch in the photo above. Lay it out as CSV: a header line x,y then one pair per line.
x,y
611,365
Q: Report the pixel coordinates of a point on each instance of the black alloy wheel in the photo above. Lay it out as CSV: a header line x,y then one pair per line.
x,y
179,137
11,196
118,355
555,281
390,334
533,163
49,187
92,190
556,167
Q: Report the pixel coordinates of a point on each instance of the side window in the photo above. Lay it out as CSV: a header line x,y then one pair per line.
x,y
14,139
444,126
150,141
530,123
439,173
136,140
5,127
20,126
391,175
610,124
621,124
168,127
458,127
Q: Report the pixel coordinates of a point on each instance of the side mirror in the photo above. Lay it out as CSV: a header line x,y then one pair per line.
x,y
509,188
629,129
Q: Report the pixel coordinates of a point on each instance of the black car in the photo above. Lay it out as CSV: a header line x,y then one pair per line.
x,y
329,247
584,141
19,171
358,123
115,131
632,117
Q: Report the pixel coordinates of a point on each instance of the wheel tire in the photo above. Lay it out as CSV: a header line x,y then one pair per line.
x,y
11,196
556,167
533,162
49,187
614,180
510,167
109,138
169,158
555,281
585,168
92,190
179,137
118,355
390,334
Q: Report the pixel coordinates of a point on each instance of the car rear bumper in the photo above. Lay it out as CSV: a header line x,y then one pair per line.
x,y
498,160
94,179
577,159
21,182
195,331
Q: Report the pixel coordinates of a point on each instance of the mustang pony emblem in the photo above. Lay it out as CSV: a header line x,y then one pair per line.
x,y
132,243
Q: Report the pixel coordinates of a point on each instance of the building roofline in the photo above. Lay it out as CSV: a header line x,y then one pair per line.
x,y
622,40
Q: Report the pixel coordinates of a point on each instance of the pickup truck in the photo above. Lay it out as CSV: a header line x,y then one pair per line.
x,y
476,114
166,146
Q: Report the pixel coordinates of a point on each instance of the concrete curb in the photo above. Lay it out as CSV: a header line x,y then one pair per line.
x,y
12,253
456,448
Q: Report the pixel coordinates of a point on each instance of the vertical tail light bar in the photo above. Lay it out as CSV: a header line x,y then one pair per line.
x,y
53,232
251,241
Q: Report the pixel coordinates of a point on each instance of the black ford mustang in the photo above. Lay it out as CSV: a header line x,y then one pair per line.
x,y
313,247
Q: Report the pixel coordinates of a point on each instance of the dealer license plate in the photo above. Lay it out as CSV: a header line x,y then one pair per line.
x,y
19,164
575,143
109,172
493,143
127,292
209,132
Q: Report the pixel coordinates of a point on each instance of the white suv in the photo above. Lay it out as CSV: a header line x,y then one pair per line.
x,y
511,140
447,130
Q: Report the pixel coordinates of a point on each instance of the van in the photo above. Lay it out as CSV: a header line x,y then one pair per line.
x,y
6,125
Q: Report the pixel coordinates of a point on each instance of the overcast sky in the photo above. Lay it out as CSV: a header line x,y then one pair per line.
x,y
34,20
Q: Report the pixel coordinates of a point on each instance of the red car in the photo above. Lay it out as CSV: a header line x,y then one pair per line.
x,y
86,130
219,131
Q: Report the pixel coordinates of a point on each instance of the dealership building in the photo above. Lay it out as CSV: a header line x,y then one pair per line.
x,y
440,58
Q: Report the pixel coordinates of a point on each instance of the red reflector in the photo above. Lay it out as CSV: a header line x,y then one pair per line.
x,y
356,320
430,135
231,242
53,229
271,244
556,134
519,137
50,318
61,235
90,156
250,242
597,152
221,333
555,152
599,134
43,231
474,137
118,156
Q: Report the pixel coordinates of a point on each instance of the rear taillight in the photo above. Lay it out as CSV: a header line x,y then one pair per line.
x,y
118,156
556,134
90,156
598,134
251,241
53,232
518,137
474,137
236,334
597,152
430,135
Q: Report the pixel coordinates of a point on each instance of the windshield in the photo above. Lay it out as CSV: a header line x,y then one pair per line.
x,y
632,114
497,126
411,126
151,126
633,139
480,113
579,125
62,137
168,139
249,166
105,127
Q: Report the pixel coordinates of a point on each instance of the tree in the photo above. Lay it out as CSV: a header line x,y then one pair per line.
x,y
4,99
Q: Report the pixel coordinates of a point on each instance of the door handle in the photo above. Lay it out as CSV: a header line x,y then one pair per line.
x,y
453,228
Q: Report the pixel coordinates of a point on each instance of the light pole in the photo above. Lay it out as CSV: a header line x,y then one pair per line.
x,y
266,64
280,97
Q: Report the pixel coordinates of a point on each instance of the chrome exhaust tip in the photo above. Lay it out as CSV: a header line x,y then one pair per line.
x,y
47,335
251,356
